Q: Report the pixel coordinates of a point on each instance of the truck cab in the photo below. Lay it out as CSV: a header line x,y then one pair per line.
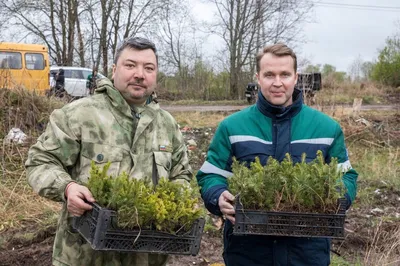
x,y
309,82
251,92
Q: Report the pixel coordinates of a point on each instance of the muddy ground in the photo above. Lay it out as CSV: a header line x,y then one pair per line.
x,y
36,250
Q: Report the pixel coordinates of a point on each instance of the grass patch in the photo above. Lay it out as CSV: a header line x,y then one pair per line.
x,y
199,119
33,230
26,110
385,246
340,261
212,230
377,164
201,102
22,204
345,92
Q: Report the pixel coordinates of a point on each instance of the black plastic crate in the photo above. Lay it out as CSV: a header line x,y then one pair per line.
x,y
249,222
99,228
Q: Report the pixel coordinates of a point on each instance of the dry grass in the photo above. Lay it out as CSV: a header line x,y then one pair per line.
x,y
373,140
377,164
382,248
344,93
199,119
202,102
26,110
19,202
385,246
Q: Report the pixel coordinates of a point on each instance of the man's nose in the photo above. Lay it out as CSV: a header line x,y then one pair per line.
x,y
277,81
139,72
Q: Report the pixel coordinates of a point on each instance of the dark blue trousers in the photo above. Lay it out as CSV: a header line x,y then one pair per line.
x,y
274,251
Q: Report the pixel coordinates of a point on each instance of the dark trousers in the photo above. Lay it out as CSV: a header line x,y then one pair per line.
x,y
274,251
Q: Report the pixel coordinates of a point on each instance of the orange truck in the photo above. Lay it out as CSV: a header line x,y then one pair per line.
x,y
24,66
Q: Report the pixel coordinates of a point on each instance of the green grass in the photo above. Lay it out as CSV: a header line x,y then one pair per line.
x,y
211,230
339,261
377,164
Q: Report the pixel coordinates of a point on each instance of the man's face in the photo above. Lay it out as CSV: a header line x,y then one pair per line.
x,y
135,74
277,79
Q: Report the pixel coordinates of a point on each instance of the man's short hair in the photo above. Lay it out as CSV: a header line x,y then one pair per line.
x,y
278,49
137,43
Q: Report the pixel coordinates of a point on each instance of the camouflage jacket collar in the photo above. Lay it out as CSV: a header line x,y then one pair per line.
x,y
116,99
119,104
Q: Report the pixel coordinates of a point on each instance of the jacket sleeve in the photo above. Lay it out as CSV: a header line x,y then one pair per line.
x,y
48,160
181,170
338,150
212,176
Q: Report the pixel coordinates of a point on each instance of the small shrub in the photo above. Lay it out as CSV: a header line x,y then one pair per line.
x,y
300,187
168,206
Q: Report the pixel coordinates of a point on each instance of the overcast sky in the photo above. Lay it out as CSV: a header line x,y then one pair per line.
x,y
341,32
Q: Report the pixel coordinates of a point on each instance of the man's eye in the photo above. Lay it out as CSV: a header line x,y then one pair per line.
x,y
129,65
269,75
285,75
149,69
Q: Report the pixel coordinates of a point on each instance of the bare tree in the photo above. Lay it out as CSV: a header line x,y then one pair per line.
x,y
53,22
81,32
119,20
81,42
356,69
138,15
247,25
177,39
106,8
366,70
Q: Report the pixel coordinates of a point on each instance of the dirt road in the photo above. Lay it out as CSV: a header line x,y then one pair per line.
x,y
230,108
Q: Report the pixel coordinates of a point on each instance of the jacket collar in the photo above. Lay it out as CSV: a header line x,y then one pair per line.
x,y
121,109
106,86
280,112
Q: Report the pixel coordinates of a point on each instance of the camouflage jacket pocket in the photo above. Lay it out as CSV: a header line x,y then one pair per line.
x,y
163,161
100,154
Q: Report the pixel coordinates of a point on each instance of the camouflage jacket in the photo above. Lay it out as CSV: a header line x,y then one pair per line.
x,y
101,128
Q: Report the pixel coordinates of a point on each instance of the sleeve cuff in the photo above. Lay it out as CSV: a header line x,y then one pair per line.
x,y
63,181
211,198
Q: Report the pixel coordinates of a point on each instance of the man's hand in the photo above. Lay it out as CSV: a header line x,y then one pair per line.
x,y
225,203
76,194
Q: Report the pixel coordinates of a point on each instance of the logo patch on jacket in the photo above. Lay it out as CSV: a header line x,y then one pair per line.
x,y
166,148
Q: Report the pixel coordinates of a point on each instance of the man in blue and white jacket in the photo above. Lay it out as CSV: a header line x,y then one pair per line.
x,y
277,124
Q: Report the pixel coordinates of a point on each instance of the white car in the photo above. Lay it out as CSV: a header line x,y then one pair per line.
x,y
75,79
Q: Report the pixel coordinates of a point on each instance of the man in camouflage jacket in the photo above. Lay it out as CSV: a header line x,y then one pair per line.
x,y
120,124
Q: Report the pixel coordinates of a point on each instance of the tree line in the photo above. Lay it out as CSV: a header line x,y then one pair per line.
x,y
86,33
385,69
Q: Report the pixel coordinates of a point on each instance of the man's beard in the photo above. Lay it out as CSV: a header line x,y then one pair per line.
x,y
143,95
